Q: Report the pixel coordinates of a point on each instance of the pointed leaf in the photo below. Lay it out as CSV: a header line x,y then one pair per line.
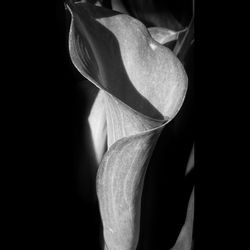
x,y
184,241
185,40
190,164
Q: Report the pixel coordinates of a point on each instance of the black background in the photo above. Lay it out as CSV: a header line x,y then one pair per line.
x,y
56,196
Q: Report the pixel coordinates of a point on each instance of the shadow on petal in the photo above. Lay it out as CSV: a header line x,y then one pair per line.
x,y
114,52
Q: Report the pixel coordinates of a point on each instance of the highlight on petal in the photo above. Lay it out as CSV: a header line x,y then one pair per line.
x,y
98,126
143,86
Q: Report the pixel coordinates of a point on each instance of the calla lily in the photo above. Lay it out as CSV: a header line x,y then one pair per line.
x,y
142,86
